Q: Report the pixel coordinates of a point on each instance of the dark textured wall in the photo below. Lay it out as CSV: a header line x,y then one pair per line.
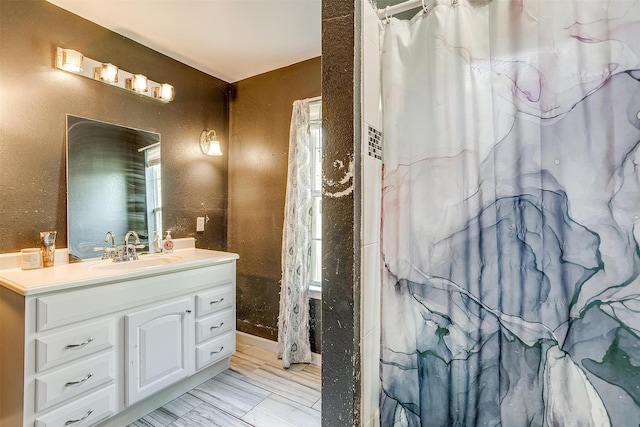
x,y
341,213
260,115
35,97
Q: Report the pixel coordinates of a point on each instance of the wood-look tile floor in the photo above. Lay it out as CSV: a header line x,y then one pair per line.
x,y
255,391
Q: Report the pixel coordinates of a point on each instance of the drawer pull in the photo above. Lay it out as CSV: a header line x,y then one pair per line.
x,y
82,344
216,301
70,383
216,327
215,352
79,420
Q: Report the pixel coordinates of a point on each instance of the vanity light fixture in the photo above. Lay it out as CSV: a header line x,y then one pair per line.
x,y
75,62
138,83
164,92
107,73
209,143
69,60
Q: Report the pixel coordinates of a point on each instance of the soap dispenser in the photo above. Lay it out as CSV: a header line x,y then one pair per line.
x,y
167,244
156,242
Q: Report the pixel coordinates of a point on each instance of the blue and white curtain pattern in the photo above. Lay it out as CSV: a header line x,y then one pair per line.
x,y
511,215
293,319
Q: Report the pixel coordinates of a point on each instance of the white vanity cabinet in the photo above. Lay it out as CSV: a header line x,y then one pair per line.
x,y
113,348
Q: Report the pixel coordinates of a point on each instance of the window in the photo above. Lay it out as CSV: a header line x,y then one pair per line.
x,y
315,129
154,201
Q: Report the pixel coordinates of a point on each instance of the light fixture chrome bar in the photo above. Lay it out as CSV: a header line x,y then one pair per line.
x,y
91,69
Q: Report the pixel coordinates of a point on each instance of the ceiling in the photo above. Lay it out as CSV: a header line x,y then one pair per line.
x,y
228,39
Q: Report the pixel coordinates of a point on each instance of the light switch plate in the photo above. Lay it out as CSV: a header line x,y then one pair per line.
x,y
200,223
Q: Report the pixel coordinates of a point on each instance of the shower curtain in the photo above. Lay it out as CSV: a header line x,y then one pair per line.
x,y
293,319
511,215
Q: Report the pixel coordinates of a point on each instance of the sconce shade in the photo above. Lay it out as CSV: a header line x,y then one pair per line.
x,y
69,60
138,83
107,73
164,92
209,143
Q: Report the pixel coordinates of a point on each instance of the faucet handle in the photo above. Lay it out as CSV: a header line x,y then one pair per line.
x,y
118,254
107,252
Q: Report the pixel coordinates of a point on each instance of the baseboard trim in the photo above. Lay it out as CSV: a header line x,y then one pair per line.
x,y
255,341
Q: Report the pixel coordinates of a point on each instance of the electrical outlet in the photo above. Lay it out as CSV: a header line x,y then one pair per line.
x,y
200,223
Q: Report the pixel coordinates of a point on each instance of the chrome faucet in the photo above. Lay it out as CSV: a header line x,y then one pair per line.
x,y
131,256
109,252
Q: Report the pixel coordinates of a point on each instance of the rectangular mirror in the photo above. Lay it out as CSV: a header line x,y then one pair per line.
x,y
113,184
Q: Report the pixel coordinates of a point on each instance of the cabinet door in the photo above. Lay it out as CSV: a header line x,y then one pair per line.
x,y
159,347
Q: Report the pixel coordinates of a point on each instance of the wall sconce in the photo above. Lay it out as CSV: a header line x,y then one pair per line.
x,y
138,83
106,72
76,63
69,60
209,143
164,92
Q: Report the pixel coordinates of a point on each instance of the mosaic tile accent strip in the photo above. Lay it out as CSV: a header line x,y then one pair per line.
x,y
374,146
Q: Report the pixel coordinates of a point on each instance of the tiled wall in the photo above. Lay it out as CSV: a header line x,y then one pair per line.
x,y
371,194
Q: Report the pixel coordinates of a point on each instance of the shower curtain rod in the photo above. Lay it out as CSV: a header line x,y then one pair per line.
x,y
398,8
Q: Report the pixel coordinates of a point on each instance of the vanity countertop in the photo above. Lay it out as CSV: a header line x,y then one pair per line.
x,y
87,273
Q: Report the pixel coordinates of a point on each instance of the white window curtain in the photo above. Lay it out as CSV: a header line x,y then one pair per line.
x,y
293,321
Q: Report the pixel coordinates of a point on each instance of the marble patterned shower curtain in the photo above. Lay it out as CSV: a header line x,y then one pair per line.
x,y
511,215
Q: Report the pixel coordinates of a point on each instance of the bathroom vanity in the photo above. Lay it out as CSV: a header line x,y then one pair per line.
x,y
96,341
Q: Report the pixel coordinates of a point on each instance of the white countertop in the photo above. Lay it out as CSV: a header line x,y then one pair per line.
x,y
87,273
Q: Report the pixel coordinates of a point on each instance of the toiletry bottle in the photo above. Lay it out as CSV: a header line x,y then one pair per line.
x,y
156,242
167,245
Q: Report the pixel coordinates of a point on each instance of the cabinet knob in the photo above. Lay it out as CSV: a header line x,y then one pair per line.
x,y
188,311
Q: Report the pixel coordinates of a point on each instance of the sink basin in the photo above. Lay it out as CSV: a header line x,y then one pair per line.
x,y
143,262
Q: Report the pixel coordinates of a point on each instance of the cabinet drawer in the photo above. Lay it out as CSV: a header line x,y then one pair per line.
x,y
70,344
214,325
63,384
215,350
214,300
86,411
